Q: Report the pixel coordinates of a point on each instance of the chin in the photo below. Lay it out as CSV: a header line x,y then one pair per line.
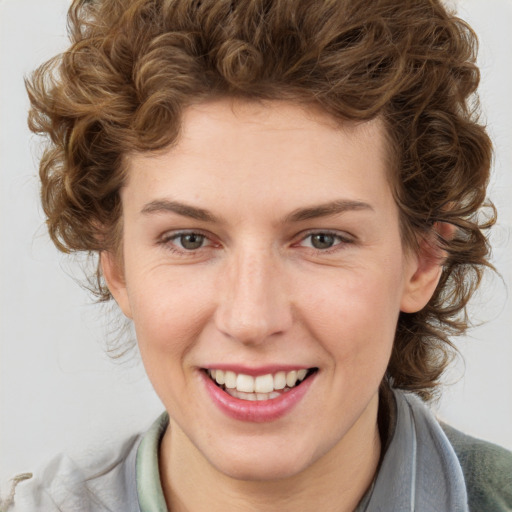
x,y
261,471
263,463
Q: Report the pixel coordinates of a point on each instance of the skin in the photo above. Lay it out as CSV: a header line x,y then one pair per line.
x,y
257,292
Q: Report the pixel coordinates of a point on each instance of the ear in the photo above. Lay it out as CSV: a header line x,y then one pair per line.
x,y
425,266
114,277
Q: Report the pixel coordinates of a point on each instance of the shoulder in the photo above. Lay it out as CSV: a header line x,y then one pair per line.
x,y
487,471
101,482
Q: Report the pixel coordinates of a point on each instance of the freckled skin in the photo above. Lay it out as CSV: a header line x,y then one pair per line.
x,y
261,289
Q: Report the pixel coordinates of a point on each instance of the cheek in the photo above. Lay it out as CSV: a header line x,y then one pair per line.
x,y
355,317
168,313
167,327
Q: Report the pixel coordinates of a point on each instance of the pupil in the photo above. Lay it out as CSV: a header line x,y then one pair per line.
x,y
322,241
191,241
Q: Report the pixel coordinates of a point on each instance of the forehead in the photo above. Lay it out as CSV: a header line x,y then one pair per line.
x,y
281,122
236,151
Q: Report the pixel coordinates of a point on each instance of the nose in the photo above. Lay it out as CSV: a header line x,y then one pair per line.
x,y
253,301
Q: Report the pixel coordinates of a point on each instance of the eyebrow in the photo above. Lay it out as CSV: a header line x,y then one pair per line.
x,y
327,209
165,205
301,214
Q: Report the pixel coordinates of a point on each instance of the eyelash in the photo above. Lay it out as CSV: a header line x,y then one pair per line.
x,y
340,241
169,241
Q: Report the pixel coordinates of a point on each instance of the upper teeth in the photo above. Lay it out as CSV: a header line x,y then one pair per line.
x,y
260,384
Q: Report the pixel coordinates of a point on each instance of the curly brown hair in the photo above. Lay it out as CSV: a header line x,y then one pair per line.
x,y
135,65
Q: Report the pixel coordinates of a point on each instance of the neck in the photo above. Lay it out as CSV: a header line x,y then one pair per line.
x,y
334,483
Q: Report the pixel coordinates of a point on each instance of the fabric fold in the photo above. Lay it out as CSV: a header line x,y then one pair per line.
x,y
420,471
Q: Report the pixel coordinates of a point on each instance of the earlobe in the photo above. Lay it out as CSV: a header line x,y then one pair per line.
x,y
425,269
114,277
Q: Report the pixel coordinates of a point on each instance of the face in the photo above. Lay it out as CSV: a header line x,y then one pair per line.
x,y
264,272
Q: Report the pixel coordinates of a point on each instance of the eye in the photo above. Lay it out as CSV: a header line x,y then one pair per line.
x,y
190,241
324,240
185,241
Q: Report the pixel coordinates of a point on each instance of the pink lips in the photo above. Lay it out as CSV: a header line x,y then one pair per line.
x,y
257,411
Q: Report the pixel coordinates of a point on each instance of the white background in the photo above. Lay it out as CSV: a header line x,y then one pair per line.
x,y
59,391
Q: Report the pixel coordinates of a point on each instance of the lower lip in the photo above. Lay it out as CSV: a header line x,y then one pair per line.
x,y
260,411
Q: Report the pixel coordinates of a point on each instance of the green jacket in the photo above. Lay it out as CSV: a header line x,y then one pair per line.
x,y
487,471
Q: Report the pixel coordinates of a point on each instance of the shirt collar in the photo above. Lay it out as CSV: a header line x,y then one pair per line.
x,y
149,488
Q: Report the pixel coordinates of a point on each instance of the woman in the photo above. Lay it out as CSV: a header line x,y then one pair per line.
x,y
285,200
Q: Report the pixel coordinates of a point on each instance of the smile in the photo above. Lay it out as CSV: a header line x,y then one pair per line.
x,y
259,388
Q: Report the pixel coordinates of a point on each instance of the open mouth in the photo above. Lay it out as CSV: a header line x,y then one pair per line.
x,y
262,387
